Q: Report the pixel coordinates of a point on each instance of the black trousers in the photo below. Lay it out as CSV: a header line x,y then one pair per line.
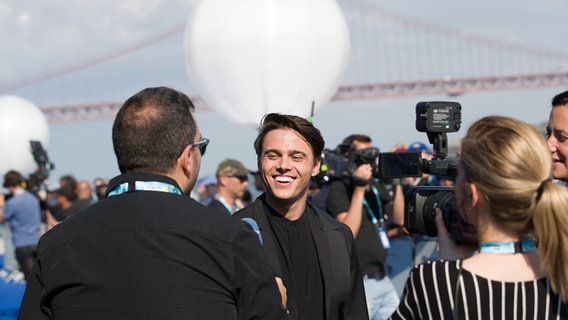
x,y
26,257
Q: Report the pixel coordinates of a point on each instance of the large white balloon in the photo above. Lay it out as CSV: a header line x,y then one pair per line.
x,y
252,57
20,122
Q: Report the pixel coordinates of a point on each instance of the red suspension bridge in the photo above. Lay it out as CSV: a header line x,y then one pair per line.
x,y
425,59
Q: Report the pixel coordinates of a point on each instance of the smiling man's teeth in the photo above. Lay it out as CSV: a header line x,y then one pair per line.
x,y
283,179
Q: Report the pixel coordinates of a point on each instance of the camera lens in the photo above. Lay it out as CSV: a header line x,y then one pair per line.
x,y
446,201
420,212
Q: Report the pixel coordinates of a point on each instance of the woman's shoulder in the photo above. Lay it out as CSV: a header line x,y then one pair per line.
x,y
436,270
430,290
449,265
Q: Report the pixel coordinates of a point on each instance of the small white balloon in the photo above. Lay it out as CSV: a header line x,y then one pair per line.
x,y
252,57
20,122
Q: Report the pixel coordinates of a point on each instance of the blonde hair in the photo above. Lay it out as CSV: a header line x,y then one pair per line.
x,y
510,163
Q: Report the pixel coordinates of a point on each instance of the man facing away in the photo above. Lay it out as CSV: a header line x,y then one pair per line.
x,y
148,250
232,182
311,252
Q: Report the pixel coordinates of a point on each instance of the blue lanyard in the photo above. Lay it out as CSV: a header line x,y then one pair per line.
x,y
372,216
508,247
381,222
145,186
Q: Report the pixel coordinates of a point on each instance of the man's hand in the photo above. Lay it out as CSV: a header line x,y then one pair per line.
x,y
282,289
362,176
447,247
2,204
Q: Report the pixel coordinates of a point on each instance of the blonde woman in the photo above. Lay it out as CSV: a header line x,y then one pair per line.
x,y
520,269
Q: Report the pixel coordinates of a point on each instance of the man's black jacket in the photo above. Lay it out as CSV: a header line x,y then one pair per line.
x,y
342,280
151,255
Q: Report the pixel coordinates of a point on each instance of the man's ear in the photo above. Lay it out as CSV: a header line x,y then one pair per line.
x,y
316,169
222,180
185,160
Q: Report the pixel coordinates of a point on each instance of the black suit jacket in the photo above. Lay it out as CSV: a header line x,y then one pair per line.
x,y
151,255
343,284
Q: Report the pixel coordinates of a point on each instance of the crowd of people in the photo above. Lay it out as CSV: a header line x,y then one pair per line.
x,y
157,242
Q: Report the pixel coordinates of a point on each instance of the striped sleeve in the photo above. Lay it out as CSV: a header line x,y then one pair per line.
x,y
438,290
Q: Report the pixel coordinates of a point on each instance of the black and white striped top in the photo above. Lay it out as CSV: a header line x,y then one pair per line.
x,y
432,292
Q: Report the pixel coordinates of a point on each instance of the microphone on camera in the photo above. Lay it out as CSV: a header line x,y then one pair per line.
x,y
254,226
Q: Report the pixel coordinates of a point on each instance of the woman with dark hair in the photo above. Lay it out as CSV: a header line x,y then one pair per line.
x,y
557,136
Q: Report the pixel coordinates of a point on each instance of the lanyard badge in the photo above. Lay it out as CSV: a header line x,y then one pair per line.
x,y
384,238
379,223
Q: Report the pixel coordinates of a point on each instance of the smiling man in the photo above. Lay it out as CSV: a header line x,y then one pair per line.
x,y
311,252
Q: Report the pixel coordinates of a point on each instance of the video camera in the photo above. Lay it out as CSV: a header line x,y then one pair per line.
x,y
341,162
37,179
436,119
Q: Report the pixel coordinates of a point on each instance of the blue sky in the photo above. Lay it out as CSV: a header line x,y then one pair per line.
x,y
38,36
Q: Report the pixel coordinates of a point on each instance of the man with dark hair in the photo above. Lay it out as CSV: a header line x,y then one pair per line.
x,y
357,138
312,253
369,209
68,180
148,250
67,204
23,212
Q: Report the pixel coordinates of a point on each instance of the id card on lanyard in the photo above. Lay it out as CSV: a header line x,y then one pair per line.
x,y
379,223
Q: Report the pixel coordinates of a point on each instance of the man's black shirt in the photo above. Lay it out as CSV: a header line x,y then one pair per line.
x,y
302,278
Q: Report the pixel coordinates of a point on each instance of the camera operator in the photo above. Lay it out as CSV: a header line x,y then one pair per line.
x,y
22,210
519,271
366,206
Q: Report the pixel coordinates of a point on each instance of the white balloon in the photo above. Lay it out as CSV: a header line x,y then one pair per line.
x,y
20,122
252,57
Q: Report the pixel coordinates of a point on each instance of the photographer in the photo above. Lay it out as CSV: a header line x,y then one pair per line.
x,y
522,226
366,206
22,210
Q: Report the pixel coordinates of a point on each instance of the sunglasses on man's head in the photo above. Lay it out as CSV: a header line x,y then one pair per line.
x,y
202,145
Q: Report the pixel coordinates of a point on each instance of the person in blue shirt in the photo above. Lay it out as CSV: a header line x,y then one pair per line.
x,y
22,210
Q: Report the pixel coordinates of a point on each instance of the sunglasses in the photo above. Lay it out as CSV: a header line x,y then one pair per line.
x,y
241,178
202,145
